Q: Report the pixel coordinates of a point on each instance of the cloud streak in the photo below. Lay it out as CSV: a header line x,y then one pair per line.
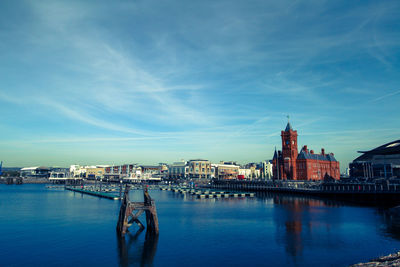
x,y
385,96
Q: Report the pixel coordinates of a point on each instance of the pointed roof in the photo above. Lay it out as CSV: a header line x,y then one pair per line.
x,y
275,155
288,127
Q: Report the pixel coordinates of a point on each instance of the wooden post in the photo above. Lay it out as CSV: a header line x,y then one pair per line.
x,y
151,212
127,216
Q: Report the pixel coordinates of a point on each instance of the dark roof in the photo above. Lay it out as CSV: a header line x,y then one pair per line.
x,y
307,155
386,149
288,127
43,168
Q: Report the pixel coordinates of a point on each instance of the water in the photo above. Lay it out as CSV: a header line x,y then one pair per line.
x,y
42,227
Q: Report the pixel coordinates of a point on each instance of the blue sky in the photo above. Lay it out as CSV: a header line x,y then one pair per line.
x,y
112,82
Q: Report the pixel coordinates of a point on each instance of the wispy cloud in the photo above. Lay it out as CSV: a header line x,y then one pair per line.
x,y
385,96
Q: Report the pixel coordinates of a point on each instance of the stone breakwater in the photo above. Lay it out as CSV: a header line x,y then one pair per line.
x,y
389,260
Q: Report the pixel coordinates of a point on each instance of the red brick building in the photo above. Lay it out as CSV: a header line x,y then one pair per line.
x,y
289,164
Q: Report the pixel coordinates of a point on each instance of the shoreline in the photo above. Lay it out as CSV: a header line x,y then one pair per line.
x,y
388,260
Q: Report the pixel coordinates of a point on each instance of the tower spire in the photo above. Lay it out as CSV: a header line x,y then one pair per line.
x,y
288,126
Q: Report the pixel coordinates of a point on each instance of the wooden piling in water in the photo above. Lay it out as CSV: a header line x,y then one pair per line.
x,y
130,211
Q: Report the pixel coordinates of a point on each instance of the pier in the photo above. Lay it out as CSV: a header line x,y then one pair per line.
x,y
356,191
309,187
206,193
93,193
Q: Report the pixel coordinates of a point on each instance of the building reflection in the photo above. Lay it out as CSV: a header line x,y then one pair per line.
x,y
296,220
390,223
133,250
301,219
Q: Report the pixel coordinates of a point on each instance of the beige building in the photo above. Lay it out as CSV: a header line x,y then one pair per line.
x,y
199,169
94,172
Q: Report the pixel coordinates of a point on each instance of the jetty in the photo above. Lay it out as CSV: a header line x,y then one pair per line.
x,y
309,187
93,193
383,192
206,193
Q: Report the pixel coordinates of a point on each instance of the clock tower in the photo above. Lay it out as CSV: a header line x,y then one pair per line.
x,y
289,153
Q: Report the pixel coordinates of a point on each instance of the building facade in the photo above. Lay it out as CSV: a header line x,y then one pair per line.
x,y
35,172
95,172
289,164
380,162
178,170
117,172
267,170
226,171
199,169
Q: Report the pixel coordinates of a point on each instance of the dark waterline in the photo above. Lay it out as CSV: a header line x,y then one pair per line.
x,y
46,227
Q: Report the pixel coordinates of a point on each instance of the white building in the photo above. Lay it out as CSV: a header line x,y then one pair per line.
x,y
77,171
178,170
267,170
35,172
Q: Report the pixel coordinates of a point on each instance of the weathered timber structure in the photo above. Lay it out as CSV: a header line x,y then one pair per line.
x,y
131,211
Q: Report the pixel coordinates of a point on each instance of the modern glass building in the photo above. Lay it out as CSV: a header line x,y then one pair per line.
x,y
380,162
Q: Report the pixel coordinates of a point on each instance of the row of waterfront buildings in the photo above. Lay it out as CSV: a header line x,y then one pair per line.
x,y
196,169
287,164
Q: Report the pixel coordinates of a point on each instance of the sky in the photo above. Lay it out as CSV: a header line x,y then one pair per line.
x,y
145,81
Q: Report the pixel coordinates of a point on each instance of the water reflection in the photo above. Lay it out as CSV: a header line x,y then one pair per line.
x,y
298,217
304,223
133,250
390,223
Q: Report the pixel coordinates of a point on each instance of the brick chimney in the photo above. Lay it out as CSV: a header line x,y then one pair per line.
x,y
323,151
305,149
312,151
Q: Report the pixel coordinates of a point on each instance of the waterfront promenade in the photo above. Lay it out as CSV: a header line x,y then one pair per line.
x,y
361,191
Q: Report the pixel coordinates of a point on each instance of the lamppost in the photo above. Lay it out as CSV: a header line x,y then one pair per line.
x,y
101,180
120,188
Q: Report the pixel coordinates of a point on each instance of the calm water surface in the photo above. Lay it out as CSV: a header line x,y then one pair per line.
x,y
44,227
